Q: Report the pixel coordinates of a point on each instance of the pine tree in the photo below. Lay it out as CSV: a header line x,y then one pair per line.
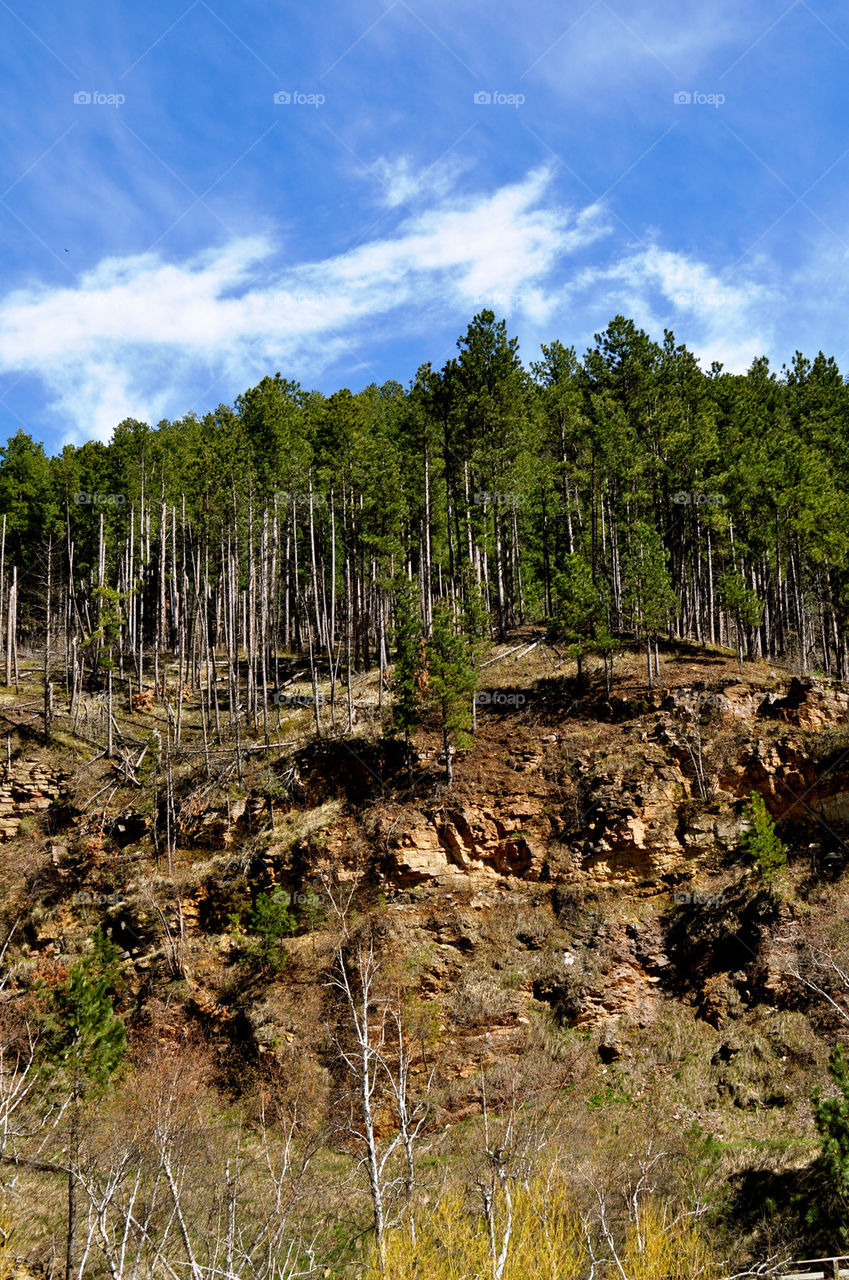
x,y
452,680
406,705
743,604
829,1210
581,616
474,626
761,842
270,920
85,1043
649,592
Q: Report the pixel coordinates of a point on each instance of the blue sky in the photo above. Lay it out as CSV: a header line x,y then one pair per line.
x,y
178,233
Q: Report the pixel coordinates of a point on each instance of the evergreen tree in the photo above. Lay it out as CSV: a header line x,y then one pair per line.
x,y
759,839
29,506
270,422
84,1044
649,590
409,663
743,604
580,611
491,416
452,680
828,1210
85,1039
269,921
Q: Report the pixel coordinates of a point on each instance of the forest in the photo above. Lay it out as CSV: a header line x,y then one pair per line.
x,y
627,491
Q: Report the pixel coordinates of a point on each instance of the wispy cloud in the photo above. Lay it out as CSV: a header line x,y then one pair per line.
x,y
609,44
721,315
405,184
140,336
137,335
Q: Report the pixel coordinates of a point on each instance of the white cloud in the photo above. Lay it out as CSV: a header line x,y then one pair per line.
x,y
612,48
719,318
403,184
142,337
137,333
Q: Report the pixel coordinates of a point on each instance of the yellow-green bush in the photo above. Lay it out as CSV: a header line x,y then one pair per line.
x,y
664,1244
8,1265
452,1239
547,1242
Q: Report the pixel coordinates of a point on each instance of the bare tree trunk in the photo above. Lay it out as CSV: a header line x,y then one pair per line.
x,y
3,585
11,627
314,680
355,981
48,687
109,749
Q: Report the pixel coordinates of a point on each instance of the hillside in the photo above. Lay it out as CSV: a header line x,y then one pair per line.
x,y
572,931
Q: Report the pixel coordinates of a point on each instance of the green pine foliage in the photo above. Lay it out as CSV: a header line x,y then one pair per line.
x,y
649,590
831,1116
85,1039
452,681
580,611
409,636
827,1210
269,921
743,604
762,844
107,631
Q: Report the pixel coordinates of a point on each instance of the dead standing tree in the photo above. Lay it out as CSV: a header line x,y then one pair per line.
x,y
373,1047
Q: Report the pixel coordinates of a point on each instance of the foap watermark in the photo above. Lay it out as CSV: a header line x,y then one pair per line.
x,y
482,499
283,699
96,99
695,299
306,299
303,498
506,897
684,99
694,498
83,898
499,698
496,99
700,899
713,700
84,499
293,98
307,898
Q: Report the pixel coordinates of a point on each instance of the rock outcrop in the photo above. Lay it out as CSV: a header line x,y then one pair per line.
x,y
668,791
28,787
483,840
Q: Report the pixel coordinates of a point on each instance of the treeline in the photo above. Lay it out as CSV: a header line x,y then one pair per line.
x,y
628,491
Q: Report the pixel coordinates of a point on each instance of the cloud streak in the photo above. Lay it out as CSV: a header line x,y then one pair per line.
x,y
731,320
143,337
137,333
